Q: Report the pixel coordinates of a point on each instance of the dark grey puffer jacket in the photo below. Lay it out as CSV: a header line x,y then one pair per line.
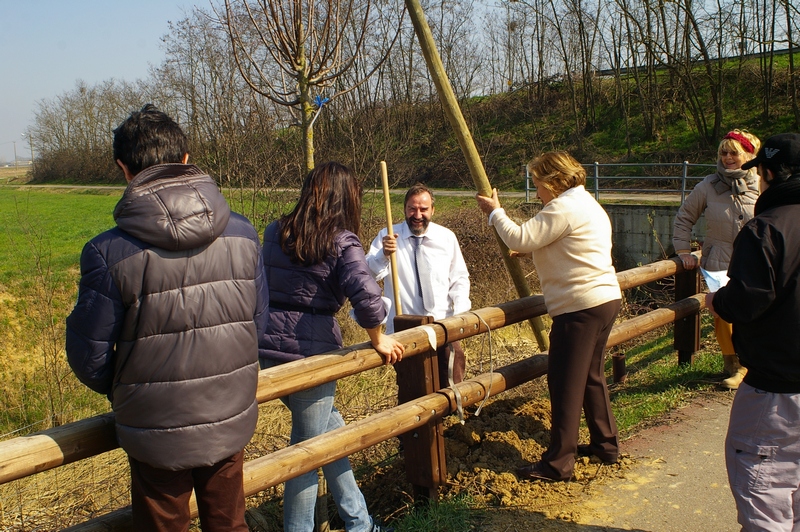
x,y
170,308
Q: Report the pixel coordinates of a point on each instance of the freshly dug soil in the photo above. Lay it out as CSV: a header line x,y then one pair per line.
x,y
482,456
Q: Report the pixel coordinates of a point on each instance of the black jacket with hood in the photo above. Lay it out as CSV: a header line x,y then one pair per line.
x,y
762,297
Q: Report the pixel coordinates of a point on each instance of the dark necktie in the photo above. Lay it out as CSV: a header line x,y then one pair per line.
x,y
424,288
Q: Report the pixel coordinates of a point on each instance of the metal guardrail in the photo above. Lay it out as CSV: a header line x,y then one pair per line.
x,y
594,170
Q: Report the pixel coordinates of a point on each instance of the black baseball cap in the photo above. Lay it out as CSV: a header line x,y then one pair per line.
x,y
783,149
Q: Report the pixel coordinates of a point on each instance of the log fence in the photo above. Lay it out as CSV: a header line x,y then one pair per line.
x,y
27,455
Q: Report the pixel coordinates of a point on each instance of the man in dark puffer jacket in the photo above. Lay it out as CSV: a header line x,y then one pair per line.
x,y
170,308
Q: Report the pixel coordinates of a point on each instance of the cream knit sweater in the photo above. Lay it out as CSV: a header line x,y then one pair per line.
x,y
570,239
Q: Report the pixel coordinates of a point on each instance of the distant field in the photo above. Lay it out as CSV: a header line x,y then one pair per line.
x,y
12,174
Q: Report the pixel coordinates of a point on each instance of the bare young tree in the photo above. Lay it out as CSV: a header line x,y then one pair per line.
x,y
73,130
230,127
296,52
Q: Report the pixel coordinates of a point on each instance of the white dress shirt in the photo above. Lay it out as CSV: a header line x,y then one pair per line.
x,y
449,277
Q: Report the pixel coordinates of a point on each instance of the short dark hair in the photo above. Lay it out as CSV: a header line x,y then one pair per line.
x,y
783,172
416,190
149,137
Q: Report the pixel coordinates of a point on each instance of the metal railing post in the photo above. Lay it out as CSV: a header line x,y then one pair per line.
x,y
683,181
527,185
596,181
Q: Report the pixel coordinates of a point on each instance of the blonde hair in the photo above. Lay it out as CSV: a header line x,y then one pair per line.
x,y
557,171
731,144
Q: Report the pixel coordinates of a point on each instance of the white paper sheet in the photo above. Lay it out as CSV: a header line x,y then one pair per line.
x,y
714,280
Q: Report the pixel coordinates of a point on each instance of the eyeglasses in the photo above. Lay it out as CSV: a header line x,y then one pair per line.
x,y
731,153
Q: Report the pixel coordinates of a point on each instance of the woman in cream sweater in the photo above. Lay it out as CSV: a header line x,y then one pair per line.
x,y
570,241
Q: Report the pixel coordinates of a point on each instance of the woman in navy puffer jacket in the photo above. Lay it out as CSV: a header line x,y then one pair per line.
x,y
314,260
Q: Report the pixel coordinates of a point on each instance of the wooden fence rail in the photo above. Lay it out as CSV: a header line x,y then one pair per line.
x,y
26,455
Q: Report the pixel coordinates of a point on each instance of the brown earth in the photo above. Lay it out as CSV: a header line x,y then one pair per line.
x,y
482,455
671,475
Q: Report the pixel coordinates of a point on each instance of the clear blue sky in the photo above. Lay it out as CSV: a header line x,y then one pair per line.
x,y
47,45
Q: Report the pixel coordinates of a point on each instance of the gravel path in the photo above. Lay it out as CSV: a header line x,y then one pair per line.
x,y
678,482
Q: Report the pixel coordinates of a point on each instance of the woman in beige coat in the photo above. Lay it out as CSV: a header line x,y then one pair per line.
x,y
727,197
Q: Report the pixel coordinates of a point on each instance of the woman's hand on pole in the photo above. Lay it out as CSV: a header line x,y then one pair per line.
x,y
487,205
689,261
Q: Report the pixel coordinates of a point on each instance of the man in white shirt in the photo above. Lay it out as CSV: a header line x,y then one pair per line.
x,y
432,275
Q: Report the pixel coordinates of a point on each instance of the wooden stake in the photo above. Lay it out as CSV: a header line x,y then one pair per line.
x,y
470,151
390,231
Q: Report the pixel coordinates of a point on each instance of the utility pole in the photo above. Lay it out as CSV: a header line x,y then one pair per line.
x,y
15,153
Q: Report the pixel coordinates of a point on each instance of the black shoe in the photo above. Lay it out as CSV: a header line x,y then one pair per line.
x,y
537,471
586,450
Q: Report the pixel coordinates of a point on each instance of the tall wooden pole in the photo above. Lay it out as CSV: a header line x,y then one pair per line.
x,y
476,169
398,310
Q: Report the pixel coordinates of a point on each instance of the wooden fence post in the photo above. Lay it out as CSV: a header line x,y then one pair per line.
x,y
423,447
686,331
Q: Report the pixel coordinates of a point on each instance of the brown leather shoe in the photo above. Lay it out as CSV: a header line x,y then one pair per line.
x,y
536,471
586,450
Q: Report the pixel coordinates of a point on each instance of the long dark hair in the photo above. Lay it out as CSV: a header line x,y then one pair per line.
x,y
330,202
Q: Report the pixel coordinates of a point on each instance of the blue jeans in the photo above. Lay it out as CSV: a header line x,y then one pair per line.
x,y
313,414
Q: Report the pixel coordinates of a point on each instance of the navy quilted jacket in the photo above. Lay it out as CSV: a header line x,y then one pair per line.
x,y
170,307
321,290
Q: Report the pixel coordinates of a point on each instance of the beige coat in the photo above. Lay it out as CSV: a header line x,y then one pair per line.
x,y
726,213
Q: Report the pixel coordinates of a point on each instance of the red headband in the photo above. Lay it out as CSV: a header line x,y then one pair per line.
x,y
741,139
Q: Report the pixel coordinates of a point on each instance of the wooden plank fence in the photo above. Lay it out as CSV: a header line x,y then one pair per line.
x,y
27,455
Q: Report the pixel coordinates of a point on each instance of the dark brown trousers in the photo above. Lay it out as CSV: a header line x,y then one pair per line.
x,y
576,380
160,498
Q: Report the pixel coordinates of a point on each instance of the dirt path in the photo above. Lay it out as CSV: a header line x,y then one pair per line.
x,y
674,479
678,481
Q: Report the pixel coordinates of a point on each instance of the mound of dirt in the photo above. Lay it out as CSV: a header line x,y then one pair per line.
x,y
482,455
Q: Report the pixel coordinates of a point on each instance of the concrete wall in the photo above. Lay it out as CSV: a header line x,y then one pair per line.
x,y
643,233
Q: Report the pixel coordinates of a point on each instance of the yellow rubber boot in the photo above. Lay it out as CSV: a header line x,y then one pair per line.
x,y
733,382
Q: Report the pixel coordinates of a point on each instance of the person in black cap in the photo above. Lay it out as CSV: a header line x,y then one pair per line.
x,y
762,300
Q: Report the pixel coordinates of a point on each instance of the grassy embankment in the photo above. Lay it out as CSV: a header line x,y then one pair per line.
x,y
44,231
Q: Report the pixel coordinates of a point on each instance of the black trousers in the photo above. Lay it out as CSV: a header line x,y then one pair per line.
x,y
576,381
